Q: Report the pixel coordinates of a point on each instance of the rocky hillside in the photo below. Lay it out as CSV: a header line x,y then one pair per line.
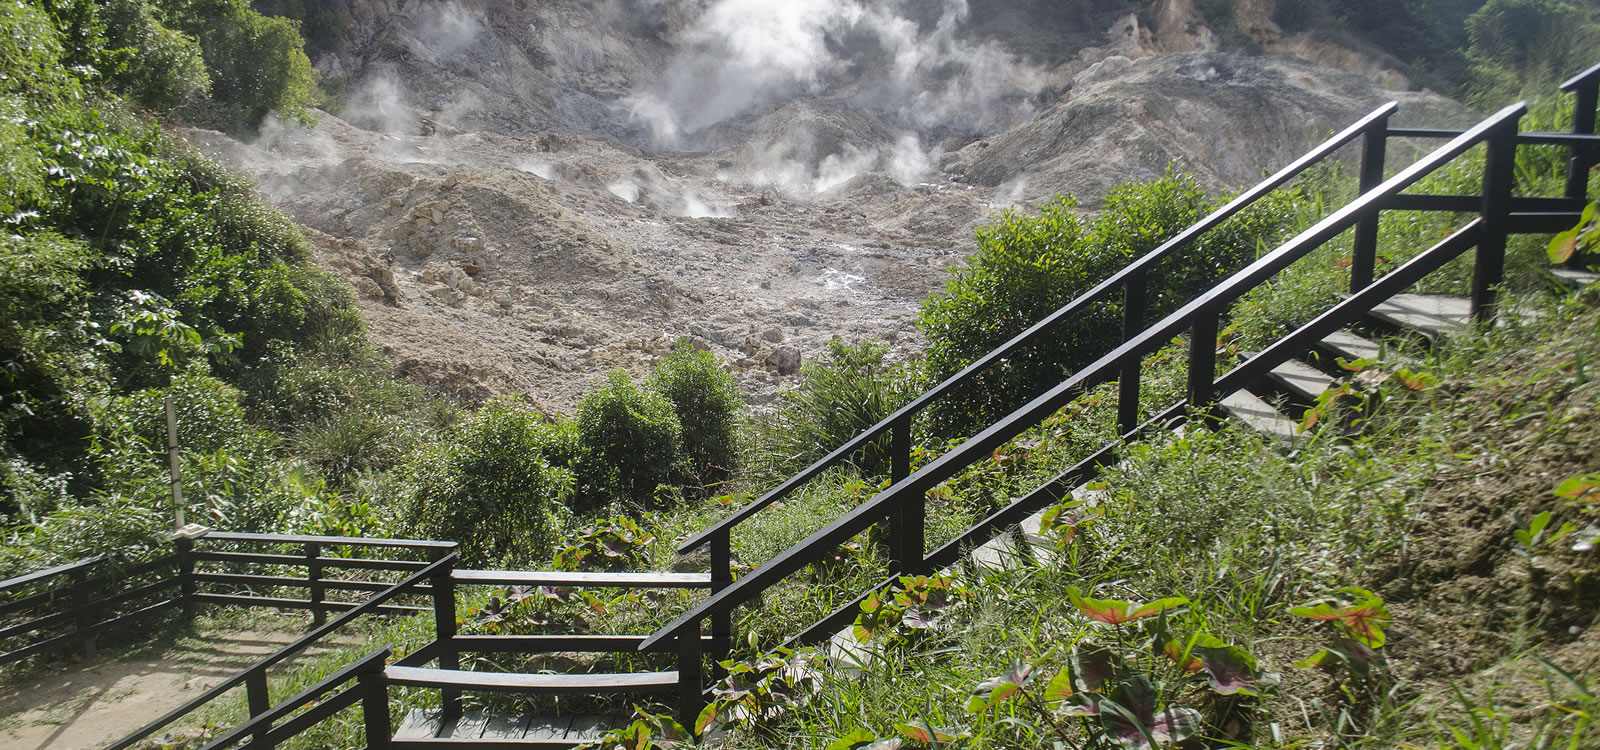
x,y
528,194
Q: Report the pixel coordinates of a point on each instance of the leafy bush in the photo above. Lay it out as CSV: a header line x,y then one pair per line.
x,y
159,67
1517,45
837,398
491,486
706,400
228,464
630,442
257,63
1029,266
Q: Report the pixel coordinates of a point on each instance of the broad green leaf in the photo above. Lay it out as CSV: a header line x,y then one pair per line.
x,y
1234,670
1318,660
1363,619
855,739
994,690
1118,611
1416,381
1059,688
1584,488
1356,365
1158,606
708,716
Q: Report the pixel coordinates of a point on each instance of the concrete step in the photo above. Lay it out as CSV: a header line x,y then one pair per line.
x,y
1260,416
1349,347
1432,315
1575,278
526,730
1299,379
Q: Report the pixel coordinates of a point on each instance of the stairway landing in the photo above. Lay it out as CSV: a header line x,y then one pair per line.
x,y
563,730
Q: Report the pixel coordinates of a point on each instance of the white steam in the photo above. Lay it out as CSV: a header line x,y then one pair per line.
x,y
741,56
908,163
542,169
696,208
381,105
452,30
787,165
625,189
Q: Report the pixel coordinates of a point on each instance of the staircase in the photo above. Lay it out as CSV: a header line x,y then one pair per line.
x,y
1278,372
1290,373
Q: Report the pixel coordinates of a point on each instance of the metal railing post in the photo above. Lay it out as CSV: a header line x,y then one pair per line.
x,y
375,707
1203,364
1133,309
259,701
691,694
1364,259
314,587
186,582
721,578
1587,98
85,619
444,629
1499,174
907,518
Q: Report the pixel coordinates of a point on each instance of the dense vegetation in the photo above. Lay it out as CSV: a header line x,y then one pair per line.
x,y
1485,52
131,269
130,263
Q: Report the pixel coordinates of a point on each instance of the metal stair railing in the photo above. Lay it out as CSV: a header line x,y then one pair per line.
x,y
254,677
902,501
1131,281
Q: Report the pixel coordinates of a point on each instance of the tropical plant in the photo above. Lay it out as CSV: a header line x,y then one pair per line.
x,y
838,397
706,400
491,485
1027,267
630,443
607,544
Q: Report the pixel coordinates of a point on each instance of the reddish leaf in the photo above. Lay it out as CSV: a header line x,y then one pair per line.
x,y
919,731
1584,488
1117,611
1093,666
1130,717
1234,670
1174,651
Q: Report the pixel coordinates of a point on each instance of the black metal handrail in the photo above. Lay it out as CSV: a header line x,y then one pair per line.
x,y
1130,278
1200,316
254,677
1583,86
96,598
372,692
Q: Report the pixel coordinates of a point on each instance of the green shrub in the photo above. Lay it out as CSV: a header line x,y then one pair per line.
x,y
1029,266
629,440
706,400
160,67
837,398
257,63
1518,45
491,486
228,463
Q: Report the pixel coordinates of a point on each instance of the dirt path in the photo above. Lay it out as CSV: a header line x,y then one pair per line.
x,y
89,705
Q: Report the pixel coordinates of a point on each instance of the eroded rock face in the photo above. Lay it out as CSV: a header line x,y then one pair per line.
x,y
1221,117
508,207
